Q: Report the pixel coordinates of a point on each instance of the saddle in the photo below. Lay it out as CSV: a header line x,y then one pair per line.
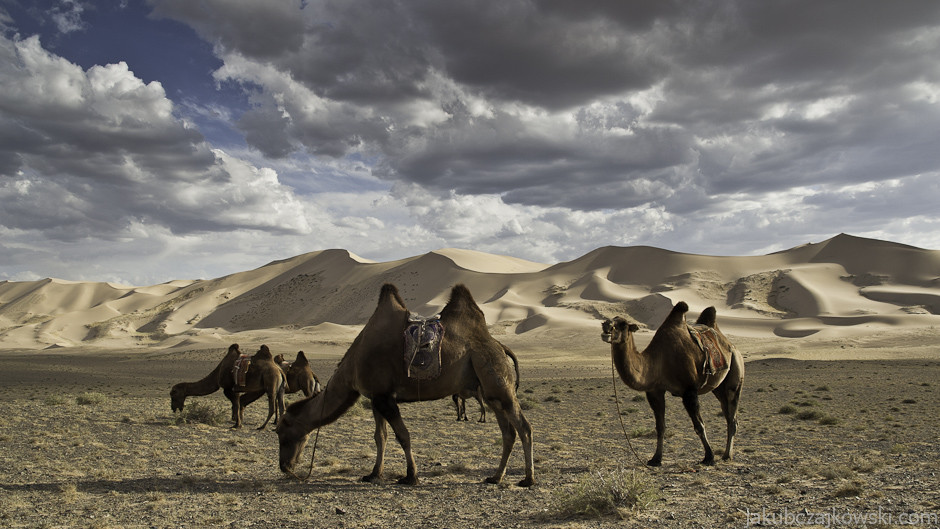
x,y
423,337
240,370
707,340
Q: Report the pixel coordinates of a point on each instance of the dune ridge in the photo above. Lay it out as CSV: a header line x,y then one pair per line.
x,y
844,284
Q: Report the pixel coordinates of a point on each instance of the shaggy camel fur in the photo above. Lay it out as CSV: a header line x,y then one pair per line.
x,y
263,376
373,367
674,362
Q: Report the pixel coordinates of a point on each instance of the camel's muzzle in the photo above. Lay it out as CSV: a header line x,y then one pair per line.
x,y
606,337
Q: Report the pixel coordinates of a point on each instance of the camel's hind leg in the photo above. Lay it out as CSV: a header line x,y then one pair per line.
x,y
512,421
690,401
657,401
729,394
272,407
387,407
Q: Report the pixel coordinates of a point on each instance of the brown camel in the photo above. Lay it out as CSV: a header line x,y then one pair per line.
x,y
263,376
374,368
674,362
460,399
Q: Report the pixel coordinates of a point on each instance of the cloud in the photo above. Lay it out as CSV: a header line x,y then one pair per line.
x,y
90,153
608,105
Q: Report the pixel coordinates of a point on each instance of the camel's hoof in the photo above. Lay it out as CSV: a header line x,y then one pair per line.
x,y
655,462
371,478
493,480
408,480
527,482
708,461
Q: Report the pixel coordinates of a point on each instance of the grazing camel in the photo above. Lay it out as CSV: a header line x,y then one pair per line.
x,y
374,368
460,399
674,362
260,378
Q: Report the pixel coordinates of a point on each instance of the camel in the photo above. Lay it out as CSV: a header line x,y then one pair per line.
x,y
300,377
263,376
460,399
373,367
460,402
674,362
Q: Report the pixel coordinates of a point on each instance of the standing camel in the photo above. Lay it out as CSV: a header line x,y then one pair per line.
x,y
259,378
374,368
674,362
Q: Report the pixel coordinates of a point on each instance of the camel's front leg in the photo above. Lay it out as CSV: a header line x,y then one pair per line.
x,y
690,401
657,400
381,436
509,439
388,408
234,399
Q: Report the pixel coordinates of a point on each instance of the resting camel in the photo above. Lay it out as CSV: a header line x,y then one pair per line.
x,y
460,399
373,367
263,376
674,362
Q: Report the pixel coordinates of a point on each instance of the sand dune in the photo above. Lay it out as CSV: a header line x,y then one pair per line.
x,y
843,285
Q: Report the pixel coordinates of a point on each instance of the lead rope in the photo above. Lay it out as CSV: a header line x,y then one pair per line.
x,y
613,379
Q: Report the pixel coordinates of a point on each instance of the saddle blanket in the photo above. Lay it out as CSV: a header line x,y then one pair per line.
x,y
707,340
423,337
240,370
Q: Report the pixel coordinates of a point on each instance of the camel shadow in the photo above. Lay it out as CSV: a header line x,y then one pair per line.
x,y
195,485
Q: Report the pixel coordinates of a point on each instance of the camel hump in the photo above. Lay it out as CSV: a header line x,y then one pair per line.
x,y
708,317
677,315
390,293
264,352
461,299
301,359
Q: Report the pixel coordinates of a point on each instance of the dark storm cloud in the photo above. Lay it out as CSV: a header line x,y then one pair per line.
x,y
541,101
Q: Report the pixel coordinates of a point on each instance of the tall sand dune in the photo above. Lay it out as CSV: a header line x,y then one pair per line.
x,y
842,285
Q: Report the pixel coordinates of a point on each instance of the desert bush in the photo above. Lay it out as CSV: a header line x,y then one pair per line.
x,y
602,493
55,400
90,397
201,413
787,409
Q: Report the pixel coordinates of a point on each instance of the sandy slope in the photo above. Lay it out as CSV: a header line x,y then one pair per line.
x,y
837,289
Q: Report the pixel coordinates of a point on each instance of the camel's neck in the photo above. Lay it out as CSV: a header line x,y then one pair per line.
x,y
331,403
632,366
205,386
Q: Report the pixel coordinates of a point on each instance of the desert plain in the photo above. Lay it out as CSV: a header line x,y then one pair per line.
x,y
837,425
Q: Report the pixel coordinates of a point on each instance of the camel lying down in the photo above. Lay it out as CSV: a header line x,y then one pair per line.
x,y
373,367
674,362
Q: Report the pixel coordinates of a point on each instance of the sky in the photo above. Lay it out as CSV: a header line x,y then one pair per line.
x,y
143,141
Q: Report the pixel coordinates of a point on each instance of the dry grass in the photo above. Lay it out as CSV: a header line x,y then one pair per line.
x,y
101,448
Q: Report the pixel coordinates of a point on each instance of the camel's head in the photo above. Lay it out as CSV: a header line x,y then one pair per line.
x,y
291,441
616,330
177,397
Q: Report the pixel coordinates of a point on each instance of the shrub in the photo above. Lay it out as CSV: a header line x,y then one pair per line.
x,y
90,397
202,413
607,492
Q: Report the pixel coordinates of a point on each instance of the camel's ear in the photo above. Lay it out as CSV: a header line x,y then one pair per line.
x,y
633,327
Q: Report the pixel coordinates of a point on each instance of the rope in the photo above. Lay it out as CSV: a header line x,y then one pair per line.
x,y
613,379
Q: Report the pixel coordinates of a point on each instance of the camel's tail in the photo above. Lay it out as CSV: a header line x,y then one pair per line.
x,y
515,362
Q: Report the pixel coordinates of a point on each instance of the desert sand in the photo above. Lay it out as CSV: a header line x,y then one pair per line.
x,y
841,342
